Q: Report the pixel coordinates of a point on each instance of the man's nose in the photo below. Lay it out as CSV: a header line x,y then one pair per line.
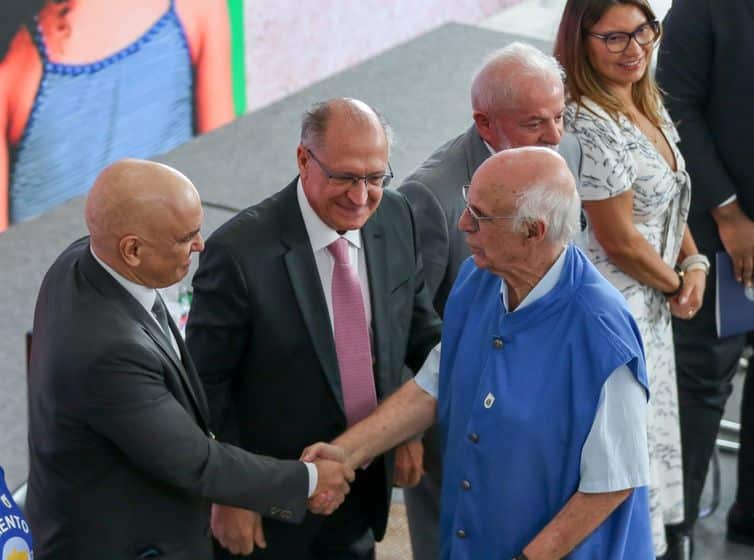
x,y
198,244
551,133
358,193
466,222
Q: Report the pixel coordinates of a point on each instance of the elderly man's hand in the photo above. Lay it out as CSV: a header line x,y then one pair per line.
x,y
737,234
236,529
332,486
322,450
409,464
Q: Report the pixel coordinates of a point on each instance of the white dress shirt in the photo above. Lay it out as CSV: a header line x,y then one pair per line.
x,y
320,236
614,456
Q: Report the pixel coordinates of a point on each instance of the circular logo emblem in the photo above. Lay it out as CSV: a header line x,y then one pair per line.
x,y
16,549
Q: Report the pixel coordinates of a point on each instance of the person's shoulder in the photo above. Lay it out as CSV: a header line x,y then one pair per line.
x,y
200,17
599,302
587,112
201,13
445,163
255,227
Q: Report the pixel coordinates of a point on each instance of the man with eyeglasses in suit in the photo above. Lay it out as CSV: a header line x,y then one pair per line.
x,y
306,308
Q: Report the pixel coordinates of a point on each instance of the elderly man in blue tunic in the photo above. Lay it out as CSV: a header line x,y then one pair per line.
x,y
539,389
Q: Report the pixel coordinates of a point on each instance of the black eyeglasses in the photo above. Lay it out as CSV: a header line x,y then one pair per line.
x,y
618,41
347,181
476,218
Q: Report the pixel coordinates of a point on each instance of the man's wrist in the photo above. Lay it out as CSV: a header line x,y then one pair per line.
x,y
727,212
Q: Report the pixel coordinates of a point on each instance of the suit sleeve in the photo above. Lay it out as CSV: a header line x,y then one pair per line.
x,y
425,323
218,331
432,232
129,403
684,71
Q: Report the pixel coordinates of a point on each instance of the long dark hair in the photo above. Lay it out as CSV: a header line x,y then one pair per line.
x,y
582,80
17,13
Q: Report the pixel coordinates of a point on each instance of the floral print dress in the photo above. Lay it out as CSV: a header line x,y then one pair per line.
x,y
617,157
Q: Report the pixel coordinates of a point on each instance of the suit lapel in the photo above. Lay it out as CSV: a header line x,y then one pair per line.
x,y
191,377
112,290
375,254
307,288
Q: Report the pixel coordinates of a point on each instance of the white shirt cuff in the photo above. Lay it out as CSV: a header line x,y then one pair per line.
x,y
727,201
428,378
313,478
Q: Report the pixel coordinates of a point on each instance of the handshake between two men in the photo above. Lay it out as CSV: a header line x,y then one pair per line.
x,y
409,411
240,530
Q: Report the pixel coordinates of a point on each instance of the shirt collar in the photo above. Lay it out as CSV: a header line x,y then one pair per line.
x,y
320,234
541,289
144,295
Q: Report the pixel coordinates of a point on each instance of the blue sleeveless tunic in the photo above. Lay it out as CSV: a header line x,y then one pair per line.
x,y
137,102
517,398
15,536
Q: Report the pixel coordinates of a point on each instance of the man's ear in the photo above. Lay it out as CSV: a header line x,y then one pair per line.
x,y
130,248
302,156
482,122
536,230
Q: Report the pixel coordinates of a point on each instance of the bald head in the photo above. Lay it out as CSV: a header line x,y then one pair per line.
x,y
135,207
538,184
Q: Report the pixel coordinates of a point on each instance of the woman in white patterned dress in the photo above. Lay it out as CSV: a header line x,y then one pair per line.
x,y
636,194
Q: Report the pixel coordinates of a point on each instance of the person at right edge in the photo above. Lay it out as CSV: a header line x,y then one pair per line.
x,y
704,66
635,192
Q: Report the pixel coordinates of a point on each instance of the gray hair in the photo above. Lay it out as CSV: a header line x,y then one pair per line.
x,y
561,211
495,84
315,119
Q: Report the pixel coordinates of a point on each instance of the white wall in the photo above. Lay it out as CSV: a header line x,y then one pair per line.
x,y
293,43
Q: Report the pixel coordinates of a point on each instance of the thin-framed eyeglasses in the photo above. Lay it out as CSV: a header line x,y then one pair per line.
x,y
618,41
346,180
476,217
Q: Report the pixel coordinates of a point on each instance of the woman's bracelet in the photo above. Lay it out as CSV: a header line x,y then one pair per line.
x,y
695,262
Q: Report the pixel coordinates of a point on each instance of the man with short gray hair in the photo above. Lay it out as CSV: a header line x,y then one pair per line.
x,y
540,389
517,99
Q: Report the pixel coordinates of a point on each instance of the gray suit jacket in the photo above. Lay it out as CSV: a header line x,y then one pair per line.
x,y
434,191
122,463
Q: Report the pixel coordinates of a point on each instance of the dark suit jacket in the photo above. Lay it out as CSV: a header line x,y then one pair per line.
x,y
261,336
434,191
121,460
705,66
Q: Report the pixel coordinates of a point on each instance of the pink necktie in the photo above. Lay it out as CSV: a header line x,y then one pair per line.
x,y
351,337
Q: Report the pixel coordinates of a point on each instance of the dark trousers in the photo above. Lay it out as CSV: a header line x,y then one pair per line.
x,y
344,535
705,369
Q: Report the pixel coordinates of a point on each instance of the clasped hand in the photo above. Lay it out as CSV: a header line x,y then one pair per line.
x,y
333,476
